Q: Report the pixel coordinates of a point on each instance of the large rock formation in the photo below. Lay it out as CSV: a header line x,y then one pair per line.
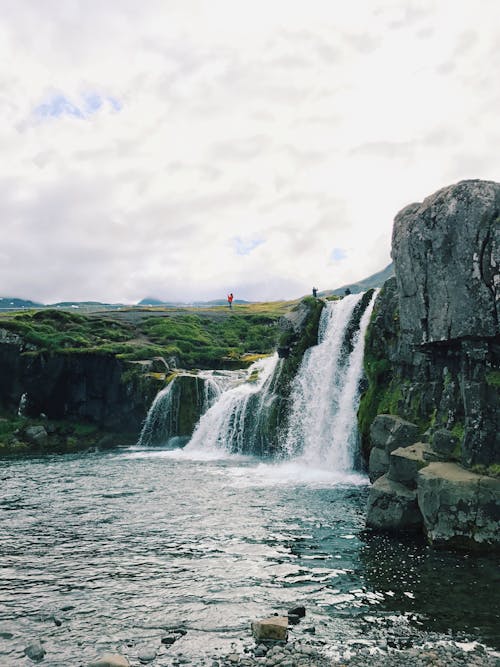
x,y
432,355
446,254
97,389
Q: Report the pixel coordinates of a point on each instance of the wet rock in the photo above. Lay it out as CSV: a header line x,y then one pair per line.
x,y
260,651
460,508
297,611
147,654
392,506
36,435
293,619
110,660
170,639
271,629
35,651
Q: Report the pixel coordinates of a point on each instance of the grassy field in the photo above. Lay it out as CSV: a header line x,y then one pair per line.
x,y
196,337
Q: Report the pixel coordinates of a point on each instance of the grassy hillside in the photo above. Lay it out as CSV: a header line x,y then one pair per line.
x,y
197,338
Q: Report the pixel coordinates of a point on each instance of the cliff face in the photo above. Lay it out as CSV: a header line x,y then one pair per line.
x,y
97,389
433,359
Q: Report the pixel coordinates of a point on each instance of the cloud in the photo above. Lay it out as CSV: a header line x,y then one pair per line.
x,y
186,149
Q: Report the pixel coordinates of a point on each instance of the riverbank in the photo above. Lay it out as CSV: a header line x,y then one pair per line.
x,y
444,654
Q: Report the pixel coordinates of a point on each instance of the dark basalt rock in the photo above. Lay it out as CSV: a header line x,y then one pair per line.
x,y
446,254
432,353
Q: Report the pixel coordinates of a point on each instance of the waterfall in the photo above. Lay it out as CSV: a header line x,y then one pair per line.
x,y
232,424
322,428
162,421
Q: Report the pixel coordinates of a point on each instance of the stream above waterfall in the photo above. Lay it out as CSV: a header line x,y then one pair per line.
x,y
123,547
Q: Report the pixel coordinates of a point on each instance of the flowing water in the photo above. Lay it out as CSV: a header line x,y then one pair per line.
x,y
115,551
325,398
122,547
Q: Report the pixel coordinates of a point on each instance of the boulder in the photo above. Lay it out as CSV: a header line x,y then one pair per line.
x,y
271,629
460,508
36,435
446,253
392,506
110,660
389,432
378,463
405,462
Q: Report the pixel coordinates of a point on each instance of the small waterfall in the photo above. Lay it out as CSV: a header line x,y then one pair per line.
x,y
322,429
162,421
232,424
22,405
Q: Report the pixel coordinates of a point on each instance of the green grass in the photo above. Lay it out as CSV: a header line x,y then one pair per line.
x,y
197,338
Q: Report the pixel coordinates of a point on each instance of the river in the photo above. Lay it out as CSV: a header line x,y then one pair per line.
x,y
113,551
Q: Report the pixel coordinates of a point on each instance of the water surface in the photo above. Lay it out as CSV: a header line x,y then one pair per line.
x,y
120,548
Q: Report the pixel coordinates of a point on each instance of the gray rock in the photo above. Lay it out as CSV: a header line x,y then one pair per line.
x,y
392,506
444,442
446,254
460,508
405,462
36,435
378,463
35,651
388,432
147,654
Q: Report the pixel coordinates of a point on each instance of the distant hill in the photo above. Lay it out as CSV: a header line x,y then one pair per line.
x,y
375,280
149,301
10,303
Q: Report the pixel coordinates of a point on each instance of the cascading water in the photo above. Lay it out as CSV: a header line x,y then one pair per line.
x,y
232,424
161,423
322,430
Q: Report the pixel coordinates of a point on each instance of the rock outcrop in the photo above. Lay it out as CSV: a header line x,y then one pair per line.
x,y
432,358
97,389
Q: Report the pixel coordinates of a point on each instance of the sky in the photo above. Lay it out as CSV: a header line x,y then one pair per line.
x,y
184,149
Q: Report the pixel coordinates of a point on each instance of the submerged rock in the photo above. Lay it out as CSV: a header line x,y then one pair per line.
x,y
35,651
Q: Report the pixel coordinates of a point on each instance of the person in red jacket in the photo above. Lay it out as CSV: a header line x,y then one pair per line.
x,y
230,300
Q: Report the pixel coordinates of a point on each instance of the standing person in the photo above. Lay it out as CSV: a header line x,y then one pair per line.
x,y
230,300
315,292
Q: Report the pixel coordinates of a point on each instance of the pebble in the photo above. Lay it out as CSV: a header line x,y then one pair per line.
x,y
147,654
305,655
35,651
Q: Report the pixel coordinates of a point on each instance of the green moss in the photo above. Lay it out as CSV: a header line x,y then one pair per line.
x,y
197,338
493,378
491,470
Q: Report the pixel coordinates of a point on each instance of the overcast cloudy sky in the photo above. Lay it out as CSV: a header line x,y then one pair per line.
x,y
185,148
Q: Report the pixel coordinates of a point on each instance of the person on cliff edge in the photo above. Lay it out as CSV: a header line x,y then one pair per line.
x,y
315,292
230,300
